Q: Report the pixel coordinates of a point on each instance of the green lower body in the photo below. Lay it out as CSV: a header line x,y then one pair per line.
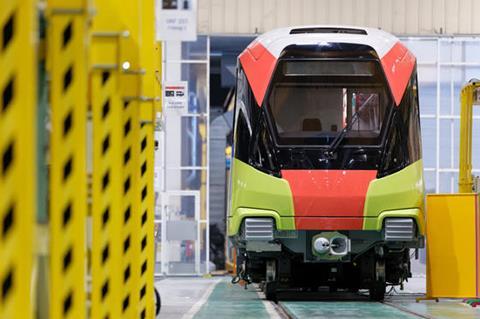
x,y
288,223
256,194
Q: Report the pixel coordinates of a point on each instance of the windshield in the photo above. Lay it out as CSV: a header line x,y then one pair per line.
x,y
312,102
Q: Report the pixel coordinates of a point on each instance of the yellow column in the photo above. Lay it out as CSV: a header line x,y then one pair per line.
x,y
138,89
130,87
18,78
150,61
108,278
465,180
123,43
116,52
67,67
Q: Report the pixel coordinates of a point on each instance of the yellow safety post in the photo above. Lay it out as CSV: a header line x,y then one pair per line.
x,y
113,267
130,87
107,277
67,66
131,205
470,95
17,155
150,61
137,87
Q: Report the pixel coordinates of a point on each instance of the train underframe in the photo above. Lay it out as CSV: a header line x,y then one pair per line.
x,y
289,264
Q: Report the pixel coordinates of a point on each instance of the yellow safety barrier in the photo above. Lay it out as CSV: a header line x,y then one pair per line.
x,y
107,220
123,73
103,89
67,66
17,156
453,245
150,61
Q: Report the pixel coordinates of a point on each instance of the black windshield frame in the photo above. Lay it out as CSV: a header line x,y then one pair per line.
x,y
379,81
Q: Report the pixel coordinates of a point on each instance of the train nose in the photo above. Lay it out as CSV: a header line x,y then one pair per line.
x,y
321,245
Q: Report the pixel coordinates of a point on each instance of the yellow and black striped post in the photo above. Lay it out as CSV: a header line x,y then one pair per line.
x,y
107,221
108,276
150,61
17,155
120,44
109,72
67,66
138,142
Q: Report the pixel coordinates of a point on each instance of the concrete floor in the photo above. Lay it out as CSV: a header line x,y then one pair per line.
x,y
217,298
181,295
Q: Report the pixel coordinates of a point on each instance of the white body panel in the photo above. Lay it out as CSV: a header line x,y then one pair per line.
x,y
276,40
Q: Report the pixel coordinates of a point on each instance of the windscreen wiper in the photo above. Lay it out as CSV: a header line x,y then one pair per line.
x,y
332,148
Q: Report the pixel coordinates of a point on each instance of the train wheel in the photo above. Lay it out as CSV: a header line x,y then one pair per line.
x,y
270,285
377,289
271,274
270,291
261,285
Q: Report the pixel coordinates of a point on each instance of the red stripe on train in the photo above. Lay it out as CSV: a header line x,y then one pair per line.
x,y
398,66
329,223
336,194
258,64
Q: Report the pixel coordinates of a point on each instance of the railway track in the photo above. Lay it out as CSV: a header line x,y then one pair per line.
x,y
335,308
405,310
283,312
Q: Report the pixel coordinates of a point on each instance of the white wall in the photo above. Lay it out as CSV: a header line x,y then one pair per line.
x,y
397,16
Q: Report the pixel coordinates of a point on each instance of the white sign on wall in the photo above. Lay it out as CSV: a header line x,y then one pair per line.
x,y
175,97
176,20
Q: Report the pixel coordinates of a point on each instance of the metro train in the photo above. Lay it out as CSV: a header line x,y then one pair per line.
x,y
326,186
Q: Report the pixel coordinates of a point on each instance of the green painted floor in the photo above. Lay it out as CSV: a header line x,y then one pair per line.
x,y
343,310
445,309
233,301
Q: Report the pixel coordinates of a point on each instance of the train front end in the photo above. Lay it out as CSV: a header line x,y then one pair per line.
x,y
326,183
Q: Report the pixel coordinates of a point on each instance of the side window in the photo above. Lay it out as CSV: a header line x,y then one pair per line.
x,y
415,140
242,137
242,130
262,155
396,154
242,88
411,120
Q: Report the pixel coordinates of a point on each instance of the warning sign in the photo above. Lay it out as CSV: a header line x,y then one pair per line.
x,y
175,97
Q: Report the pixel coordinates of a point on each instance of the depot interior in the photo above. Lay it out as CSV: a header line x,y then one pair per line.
x,y
192,259
447,51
